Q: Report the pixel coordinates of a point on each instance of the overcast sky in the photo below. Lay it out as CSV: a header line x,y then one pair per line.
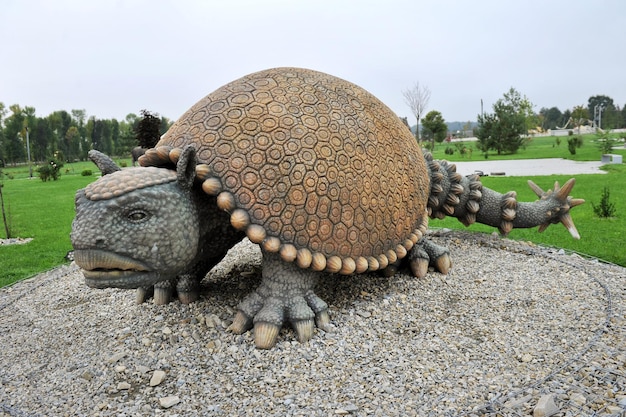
x,y
114,57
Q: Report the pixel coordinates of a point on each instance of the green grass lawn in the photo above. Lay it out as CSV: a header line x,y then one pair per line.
x,y
44,211
538,148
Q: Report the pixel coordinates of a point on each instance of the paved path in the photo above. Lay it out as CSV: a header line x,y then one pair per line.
x,y
526,167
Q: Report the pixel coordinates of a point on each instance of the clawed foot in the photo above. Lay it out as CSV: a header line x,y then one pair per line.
x,y
284,296
185,286
266,333
426,253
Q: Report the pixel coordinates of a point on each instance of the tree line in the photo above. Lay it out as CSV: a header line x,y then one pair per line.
x,y
600,109
68,136
513,120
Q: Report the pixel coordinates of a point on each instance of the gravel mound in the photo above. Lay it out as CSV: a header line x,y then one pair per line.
x,y
512,330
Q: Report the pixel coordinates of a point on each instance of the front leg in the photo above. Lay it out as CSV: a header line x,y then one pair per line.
x,y
285,295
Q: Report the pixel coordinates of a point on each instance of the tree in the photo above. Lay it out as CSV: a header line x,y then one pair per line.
x,y
72,143
40,135
417,99
503,129
600,107
552,118
435,127
580,115
94,133
165,125
15,135
80,116
148,129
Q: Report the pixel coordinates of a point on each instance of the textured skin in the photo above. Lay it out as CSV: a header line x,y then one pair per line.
x,y
165,256
317,162
150,228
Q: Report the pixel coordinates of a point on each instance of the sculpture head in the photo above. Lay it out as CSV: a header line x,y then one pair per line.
x,y
136,227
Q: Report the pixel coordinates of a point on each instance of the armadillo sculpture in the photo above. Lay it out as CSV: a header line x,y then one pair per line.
x,y
314,169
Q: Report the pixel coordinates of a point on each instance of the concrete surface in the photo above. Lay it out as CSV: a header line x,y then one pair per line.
x,y
526,167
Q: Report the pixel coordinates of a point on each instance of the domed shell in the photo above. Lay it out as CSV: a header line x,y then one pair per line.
x,y
310,166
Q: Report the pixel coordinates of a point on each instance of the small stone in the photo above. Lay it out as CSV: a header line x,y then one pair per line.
x,y
341,412
526,357
364,314
120,369
351,408
146,341
212,321
545,407
578,399
142,369
167,330
614,410
157,378
169,401
116,357
123,386
87,375
515,403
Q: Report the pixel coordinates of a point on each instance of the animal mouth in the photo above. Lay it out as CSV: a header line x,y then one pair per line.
x,y
103,269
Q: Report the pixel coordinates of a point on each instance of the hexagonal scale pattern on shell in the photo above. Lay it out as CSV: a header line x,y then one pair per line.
x,y
318,162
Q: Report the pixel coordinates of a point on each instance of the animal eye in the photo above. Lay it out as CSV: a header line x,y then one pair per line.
x,y
137,216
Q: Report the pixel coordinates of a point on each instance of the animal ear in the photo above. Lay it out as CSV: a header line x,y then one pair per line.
x,y
186,167
103,162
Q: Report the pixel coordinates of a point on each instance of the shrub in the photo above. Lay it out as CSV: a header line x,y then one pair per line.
x,y
605,208
449,151
573,143
605,142
50,171
86,173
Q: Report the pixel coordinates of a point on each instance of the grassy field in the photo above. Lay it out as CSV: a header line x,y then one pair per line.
x,y
44,211
538,148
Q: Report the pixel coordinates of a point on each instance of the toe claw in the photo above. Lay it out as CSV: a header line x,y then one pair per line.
x,y
322,320
187,297
142,295
265,335
162,295
241,323
419,267
443,263
304,329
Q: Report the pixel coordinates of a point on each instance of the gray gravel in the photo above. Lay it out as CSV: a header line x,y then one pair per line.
x,y
512,330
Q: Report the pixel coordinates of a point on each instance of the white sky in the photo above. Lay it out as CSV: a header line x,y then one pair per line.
x,y
114,57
